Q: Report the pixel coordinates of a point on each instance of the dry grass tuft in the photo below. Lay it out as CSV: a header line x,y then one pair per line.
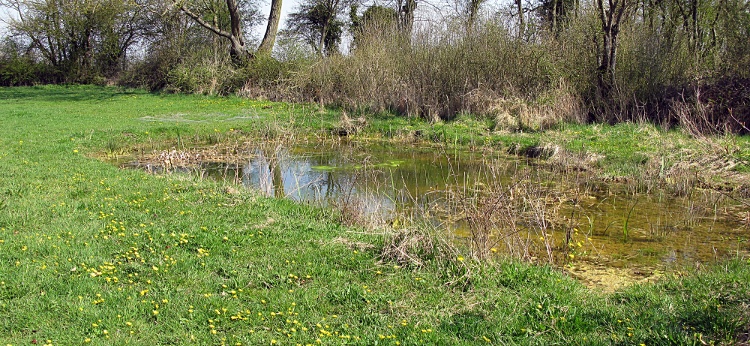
x,y
512,113
568,161
348,126
414,247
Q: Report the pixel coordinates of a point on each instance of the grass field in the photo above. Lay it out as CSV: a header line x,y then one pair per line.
x,y
90,253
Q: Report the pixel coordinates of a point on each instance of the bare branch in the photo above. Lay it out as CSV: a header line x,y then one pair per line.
x,y
202,22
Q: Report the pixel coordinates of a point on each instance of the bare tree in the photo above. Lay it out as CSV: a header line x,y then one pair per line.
x,y
555,13
235,34
611,16
238,50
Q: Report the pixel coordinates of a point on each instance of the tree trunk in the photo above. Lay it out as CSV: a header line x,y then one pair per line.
x,y
266,46
610,19
238,51
694,33
323,34
521,22
554,17
473,11
277,179
407,16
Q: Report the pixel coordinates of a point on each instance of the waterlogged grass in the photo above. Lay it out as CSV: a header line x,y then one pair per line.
x,y
621,150
91,253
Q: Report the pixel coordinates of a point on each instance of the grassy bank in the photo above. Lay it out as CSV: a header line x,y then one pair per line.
x,y
624,150
94,254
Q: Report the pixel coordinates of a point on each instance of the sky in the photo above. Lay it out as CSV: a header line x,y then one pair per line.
x,y
3,18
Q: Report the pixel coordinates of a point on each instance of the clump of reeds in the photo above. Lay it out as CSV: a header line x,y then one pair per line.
x,y
515,218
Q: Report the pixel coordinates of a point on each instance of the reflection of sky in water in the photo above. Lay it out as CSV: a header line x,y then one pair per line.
x,y
379,187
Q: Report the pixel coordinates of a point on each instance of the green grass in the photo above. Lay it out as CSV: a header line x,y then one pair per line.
x,y
93,253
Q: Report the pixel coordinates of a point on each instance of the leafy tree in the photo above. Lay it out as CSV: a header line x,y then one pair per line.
x,y
318,24
556,12
79,39
16,68
375,19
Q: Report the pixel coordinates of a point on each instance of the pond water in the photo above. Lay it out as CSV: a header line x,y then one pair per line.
x,y
596,229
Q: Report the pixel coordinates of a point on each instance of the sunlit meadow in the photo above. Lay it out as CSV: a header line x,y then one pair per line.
x,y
94,254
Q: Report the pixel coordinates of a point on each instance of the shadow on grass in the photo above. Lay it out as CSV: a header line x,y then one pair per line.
x,y
56,93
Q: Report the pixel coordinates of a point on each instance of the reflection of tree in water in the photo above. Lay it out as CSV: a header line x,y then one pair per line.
x,y
265,172
378,183
276,179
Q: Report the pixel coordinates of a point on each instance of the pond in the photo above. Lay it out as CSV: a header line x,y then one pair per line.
x,y
497,203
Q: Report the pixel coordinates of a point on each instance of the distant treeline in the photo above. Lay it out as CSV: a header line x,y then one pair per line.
x,y
528,65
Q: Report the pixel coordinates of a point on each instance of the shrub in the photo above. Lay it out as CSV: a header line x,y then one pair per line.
x,y
441,74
